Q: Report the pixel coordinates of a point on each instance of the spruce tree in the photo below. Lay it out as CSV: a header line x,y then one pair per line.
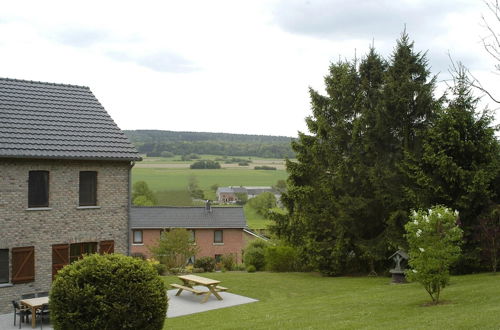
x,y
345,200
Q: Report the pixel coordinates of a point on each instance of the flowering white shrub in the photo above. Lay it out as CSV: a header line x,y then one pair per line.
x,y
434,244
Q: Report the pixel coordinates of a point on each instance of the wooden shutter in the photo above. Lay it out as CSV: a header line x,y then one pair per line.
x,y
106,247
60,258
23,264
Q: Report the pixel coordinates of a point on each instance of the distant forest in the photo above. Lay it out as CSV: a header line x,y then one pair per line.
x,y
155,143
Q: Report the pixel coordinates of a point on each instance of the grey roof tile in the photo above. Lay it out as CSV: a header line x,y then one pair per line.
x,y
186,217
45,120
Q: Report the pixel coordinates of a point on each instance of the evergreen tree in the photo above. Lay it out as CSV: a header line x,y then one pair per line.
x,y
314,224
346,206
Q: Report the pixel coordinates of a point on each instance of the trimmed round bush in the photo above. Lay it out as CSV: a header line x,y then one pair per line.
x,y
109,292
207,263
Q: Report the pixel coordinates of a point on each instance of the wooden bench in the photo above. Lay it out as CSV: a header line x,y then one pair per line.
x,y
182,287
220,288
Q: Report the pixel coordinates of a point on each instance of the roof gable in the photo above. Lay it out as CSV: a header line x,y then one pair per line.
x,y
56,121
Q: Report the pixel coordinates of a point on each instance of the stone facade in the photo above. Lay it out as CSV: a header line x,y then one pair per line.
x,y
63,222
234,241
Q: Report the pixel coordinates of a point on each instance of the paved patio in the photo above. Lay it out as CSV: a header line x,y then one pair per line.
x,y
7,323
185,304
188,303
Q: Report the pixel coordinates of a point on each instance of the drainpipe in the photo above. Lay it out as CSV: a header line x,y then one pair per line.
x,y
129,203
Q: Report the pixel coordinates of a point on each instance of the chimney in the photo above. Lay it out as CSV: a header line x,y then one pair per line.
x,y
208,206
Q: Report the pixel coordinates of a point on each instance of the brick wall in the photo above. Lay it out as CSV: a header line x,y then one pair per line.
x,y
149,238
234,242
64,222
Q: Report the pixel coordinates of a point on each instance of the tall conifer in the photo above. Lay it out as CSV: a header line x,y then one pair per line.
x,y
345,198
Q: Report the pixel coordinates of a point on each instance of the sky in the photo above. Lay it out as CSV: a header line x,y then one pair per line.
x,y
227,66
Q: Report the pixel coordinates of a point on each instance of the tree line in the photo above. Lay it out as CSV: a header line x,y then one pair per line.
x,y
381,144
154,143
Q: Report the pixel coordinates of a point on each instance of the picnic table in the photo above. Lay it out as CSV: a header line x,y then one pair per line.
x,y
189,281
34,304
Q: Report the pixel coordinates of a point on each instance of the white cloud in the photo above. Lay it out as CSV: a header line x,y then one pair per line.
x,y
225,66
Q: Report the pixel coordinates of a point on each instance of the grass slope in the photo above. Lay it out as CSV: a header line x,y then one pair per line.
x,y
255,220
308,301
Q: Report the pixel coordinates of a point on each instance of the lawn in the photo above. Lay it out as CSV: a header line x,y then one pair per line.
x,y
309,301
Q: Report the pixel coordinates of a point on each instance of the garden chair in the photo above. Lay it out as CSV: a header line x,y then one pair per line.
x,y
22,312
43,313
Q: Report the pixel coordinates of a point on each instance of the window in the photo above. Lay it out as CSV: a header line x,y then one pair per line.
x,y
4,266
76,251
192,236
88,188
218,258
218,236
23,264
137,239
38,189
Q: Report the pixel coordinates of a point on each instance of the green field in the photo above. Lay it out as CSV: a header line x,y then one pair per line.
x,y
174,179
170,185
169,182
309,301
177,159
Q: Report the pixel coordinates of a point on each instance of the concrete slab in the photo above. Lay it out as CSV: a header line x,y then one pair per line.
x,y
189,303
7,323
185,304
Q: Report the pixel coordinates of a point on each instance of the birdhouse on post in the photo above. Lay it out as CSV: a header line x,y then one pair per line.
x,y
400,259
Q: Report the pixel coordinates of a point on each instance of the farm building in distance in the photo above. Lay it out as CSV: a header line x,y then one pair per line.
x,y
229,194
216,231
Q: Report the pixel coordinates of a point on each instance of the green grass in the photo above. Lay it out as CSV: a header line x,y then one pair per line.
x,y
176,159
308,301
162,179
174,198
255,220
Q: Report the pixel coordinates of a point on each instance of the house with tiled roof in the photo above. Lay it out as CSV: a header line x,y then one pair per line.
x,y
64,183
230,194
217,231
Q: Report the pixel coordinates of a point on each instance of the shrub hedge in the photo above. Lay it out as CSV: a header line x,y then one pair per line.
x,y
228,261
281,258
207,263
254,254
110,292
